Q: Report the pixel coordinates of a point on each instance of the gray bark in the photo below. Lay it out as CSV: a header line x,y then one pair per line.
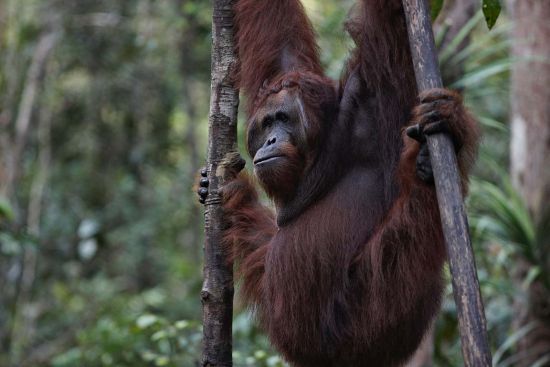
x,y
471,317
452,19
217,290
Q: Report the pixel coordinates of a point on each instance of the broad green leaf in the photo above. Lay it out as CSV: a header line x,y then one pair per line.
x,y
491,10
435,7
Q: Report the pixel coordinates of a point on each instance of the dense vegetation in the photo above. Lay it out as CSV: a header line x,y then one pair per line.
x,y
103,117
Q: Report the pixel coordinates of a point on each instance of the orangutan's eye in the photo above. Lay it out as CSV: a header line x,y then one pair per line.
x,y
281,116
267,122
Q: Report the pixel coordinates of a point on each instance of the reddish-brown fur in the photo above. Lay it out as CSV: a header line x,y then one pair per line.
x,y
348,271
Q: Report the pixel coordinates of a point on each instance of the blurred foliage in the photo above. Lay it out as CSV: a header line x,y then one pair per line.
x,y
109,273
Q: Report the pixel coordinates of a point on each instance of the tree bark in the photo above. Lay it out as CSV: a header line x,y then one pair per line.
x,y
217,291
529,152
454,16
471,317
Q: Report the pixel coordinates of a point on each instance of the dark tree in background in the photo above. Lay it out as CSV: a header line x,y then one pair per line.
x,y
529,159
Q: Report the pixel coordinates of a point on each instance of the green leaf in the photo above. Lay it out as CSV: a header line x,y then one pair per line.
x,y
181,324
435,7
161,334
144,321
6,211
162,361
491,10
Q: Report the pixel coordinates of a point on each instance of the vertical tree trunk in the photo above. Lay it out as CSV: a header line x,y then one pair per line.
x,y
217,291
452,19
45,45
12,163
24,322
471,316
530,148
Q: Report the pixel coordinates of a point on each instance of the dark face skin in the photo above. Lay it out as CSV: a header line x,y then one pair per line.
x,y
277,139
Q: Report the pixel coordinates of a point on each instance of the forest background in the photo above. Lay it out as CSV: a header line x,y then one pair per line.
x,y
103,126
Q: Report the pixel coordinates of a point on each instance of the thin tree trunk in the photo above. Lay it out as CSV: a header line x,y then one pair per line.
x,y
22,126
217,291
471,317
529,152
24,114
24,321
452,19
